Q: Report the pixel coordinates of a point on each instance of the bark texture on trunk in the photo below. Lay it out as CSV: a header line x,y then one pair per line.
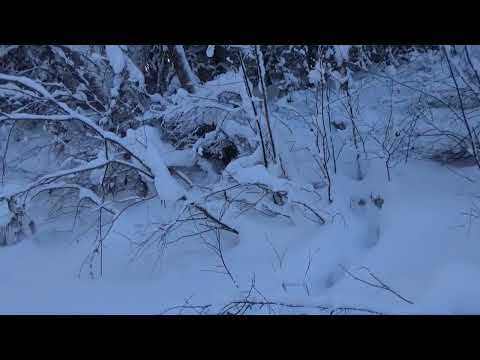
x,y
182,67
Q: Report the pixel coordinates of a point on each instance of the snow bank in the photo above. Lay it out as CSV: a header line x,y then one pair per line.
x,y
115,58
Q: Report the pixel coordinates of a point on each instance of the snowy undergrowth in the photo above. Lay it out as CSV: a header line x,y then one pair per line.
x,y
418,247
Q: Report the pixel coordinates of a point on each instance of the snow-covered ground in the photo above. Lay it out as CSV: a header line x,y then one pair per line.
x,y
425,252
419,252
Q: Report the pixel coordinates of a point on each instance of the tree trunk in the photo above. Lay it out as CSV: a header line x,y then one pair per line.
x,y
271,154
182,67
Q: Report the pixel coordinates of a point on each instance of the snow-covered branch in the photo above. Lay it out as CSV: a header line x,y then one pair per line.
x,y
69,114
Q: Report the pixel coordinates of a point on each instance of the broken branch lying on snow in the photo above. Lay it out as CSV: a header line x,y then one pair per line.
x,y
249,303
379,283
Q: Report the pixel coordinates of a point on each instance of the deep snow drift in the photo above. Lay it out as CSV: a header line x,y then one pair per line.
x,y
418,252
